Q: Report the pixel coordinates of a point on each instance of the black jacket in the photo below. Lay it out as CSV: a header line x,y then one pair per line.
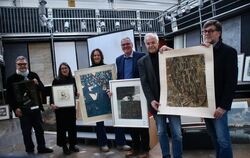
x,y
17,78
225,74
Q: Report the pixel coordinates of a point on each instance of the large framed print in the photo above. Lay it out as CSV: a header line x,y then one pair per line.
x,y
129,105
4,112
63,95
187,82
26,94
240,66
246,75
93,84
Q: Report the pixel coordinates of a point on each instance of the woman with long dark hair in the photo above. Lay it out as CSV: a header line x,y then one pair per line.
x,y
65,116
97,59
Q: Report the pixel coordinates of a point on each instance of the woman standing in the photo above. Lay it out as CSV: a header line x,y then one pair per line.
x,y
97,60
65,116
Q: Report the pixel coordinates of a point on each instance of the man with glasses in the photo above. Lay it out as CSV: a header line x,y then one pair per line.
x,y
127,69
27,110
225,77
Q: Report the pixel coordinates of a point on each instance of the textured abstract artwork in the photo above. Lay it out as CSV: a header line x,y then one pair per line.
x,y
186,81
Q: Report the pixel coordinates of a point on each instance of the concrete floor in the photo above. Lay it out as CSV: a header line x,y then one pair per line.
x,y
11,143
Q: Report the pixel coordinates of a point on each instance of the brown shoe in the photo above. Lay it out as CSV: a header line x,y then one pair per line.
x,y
143,155
132,153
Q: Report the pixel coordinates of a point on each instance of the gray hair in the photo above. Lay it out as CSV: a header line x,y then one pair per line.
x,y
21,58
126,38
154,35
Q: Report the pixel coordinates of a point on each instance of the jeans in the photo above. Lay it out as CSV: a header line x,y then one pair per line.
x,y
175,129
219,132
102,136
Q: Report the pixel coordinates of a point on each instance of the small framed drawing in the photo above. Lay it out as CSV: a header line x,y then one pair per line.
x,y
93,84
246,75
129,105
4,112
240,66
63,95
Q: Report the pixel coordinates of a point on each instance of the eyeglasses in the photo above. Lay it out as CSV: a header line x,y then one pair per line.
x,y
21,64
208,31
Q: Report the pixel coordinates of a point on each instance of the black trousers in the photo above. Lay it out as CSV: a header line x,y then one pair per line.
x,y
33,119
66,122
140,139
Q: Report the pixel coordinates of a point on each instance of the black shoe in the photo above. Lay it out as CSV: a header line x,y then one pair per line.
x,y
45,150
66,150
73,149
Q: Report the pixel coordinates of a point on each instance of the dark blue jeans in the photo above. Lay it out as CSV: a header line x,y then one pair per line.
x,y
219,132
102,136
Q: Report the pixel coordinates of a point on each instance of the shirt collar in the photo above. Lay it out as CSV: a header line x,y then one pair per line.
x,y
130,56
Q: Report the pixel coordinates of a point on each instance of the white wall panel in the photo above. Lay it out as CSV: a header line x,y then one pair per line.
x,y
65,52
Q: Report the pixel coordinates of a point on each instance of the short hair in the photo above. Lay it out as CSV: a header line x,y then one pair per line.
x,y
21,58
215,23
154,35
126,38
92,56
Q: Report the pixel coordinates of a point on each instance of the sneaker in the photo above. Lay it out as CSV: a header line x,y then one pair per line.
x,y
104,148
45,150
74,148
124,147
66,150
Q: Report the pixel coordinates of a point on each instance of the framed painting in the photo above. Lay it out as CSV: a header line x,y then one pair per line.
x,y
49,119
4,112
246,75
187,82
26,94
63,95
129,105
93,84
240,66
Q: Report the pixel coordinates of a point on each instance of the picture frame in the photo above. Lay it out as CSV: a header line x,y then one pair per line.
x,y
93,84
4,112
246,74
26,95
240,66
187,82
63,95
129,105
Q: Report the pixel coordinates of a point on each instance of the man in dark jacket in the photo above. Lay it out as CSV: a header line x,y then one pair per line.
x,y
225,77
23,95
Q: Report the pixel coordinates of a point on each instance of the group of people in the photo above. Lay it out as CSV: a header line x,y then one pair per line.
x,y
132,64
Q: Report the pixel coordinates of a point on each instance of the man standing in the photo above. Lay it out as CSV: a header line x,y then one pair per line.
x,y
127,69
28,113
225,77
150,80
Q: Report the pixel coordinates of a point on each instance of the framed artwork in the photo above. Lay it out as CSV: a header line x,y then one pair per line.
x,y
239,115
92,84
187,82
246,75
63,95
240,66
4,112
49,119
26,94
129,105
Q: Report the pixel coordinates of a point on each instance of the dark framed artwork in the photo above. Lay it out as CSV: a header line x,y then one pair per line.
x,y
93,84
26,94
129,105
